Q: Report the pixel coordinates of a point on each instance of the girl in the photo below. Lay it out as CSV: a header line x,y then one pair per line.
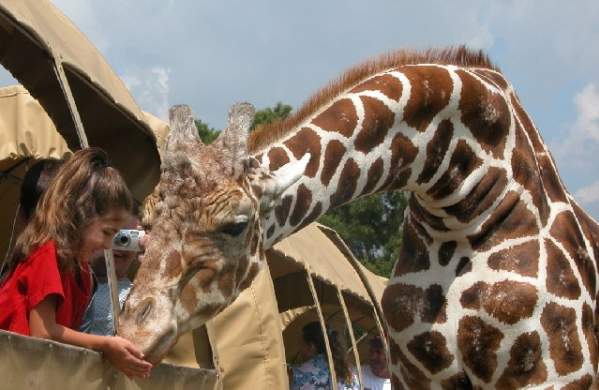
x,y
48,284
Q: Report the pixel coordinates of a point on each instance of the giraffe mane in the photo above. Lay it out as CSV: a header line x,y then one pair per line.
x,y
265,134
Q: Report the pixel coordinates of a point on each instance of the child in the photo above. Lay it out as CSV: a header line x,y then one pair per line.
x,y
49,284
98,316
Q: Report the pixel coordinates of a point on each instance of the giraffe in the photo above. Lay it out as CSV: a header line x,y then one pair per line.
x,y
495,285
206,236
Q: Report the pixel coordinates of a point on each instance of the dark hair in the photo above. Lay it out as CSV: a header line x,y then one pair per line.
x,y
312,334
84,187
36,181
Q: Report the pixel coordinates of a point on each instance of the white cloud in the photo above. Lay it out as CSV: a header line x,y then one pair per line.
x,y
587,106
151,88
589,194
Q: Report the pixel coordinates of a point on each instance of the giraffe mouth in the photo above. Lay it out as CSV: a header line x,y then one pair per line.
x,y
160,347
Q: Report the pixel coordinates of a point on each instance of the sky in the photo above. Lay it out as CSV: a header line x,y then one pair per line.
x,y
210,54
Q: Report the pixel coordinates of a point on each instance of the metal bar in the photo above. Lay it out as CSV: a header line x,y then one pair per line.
x,y
350,328
324,329
68,94
113,287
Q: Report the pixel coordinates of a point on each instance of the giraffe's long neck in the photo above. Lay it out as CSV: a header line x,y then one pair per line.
x,y
446,134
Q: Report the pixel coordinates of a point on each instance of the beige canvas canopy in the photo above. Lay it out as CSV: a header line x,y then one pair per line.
x,y
87,102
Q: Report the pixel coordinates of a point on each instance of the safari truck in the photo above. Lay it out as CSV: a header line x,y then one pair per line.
x,y
70,98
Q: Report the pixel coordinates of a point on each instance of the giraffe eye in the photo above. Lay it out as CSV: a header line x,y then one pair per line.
x,y
234,229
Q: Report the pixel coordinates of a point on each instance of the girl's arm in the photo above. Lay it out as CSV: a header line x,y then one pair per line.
x,y
119,351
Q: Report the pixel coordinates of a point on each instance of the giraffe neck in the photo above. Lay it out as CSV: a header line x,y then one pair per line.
x,y
412,128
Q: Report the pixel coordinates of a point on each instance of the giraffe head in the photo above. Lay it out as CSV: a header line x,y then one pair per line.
x,y
205,240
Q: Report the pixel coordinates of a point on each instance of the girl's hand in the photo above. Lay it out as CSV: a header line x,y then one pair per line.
x,y
126,357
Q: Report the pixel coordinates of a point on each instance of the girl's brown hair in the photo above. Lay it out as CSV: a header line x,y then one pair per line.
x,y
84,187
312,334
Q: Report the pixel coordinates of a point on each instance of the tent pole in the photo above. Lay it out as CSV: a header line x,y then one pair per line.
x,y
68,94
324,329
350,328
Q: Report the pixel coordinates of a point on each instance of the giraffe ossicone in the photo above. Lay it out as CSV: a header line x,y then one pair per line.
x,y
205,237
496,281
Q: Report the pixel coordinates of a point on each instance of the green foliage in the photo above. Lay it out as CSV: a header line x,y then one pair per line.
x,y
207,134
371,227
267,115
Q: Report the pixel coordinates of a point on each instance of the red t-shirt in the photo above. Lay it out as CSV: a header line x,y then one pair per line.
x,y
35,279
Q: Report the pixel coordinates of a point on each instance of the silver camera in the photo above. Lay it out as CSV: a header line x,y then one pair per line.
x,y
128,240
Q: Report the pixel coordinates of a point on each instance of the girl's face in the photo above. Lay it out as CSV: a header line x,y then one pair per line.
x,y
98,233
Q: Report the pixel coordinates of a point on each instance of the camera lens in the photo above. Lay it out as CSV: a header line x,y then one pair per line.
x,y
124,240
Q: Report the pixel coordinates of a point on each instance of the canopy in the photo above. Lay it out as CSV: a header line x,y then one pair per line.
x,y
87,101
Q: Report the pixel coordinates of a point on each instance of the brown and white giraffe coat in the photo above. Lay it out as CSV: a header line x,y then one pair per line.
x,y
495,286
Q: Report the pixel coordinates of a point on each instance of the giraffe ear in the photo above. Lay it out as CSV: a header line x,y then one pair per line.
x,y
280,180
183,128
233,140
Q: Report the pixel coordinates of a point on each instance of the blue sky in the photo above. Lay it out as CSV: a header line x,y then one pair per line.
x,y
210,54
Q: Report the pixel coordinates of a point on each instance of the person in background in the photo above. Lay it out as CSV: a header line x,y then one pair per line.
x,y
376,374
48,282
314,372
98,316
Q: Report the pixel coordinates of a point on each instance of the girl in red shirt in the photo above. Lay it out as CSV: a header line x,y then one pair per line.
x,y
48,284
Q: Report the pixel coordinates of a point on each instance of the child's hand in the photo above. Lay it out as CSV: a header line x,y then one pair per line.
x,y
126,357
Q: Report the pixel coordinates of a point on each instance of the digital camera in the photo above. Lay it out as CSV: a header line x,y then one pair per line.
x,y
128,240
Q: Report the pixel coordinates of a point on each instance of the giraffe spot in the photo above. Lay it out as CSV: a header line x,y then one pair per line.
x,y
435,305
565,231
510,219
464,266
435,151
560,278
583,383
277,157
303,200
492,77
522,259
430,93
374,174
590,230
446,251
430,348
314,214
478,343
418,226
306,141
282,210
332,156
463,162
254,243
471,297
551,180
346,186
270,231
411,375
527,124
386,84
378,119
509,301
403,153
481,197
485,114
340,118
588,328
457,382
559,322
401,304
188,298
172,264
526,366
413,255
226,281
419,213
526,172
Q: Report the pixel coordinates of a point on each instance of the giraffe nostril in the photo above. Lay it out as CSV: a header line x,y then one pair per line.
x,y
146,309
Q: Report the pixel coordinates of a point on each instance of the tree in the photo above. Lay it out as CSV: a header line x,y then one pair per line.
x,y
207,134
267,115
